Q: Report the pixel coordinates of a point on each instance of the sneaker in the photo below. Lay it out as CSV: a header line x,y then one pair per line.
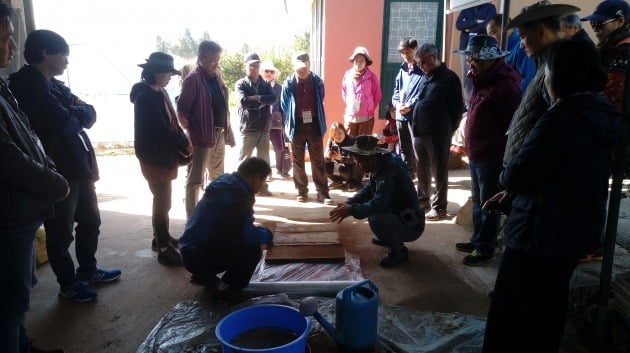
x,y
325,199
395,258
174,243
170,256
302,198
435,215
203,280
80,293
102,275
465,247
476,258
335,185
284,175
379,242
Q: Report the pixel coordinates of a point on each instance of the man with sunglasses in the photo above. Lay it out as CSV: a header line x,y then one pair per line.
x,y
611,24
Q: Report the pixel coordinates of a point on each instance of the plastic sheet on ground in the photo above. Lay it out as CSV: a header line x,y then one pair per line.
x,y
189,327
350,270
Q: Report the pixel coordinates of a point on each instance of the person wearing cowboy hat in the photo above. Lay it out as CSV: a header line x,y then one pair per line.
x,y
539,26
494,98
158,141
361,94
60,118
389,200
611,23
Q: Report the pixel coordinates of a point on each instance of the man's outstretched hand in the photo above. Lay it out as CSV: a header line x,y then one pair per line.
x,y
339,213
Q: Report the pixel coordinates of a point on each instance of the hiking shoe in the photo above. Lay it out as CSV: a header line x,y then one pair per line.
x,y
335,185
435,215
325,199
80,293
302,198
102,275
395,258
476,258
379,242
173,241
170,256
465,247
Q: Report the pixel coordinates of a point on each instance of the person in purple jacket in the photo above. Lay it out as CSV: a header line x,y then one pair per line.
x,y
495,96
203,112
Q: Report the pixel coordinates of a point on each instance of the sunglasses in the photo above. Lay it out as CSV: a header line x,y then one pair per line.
x,y
597,25
270,71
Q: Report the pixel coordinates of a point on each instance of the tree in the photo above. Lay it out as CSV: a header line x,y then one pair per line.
x,y
302,42
186,47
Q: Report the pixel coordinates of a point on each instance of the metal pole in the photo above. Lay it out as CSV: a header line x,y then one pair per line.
x,y
603,311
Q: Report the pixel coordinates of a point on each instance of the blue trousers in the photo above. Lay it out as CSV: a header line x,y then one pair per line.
x,y
484,178
17,276
81,207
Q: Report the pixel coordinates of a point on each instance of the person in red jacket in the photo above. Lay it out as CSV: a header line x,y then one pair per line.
x,y
495,96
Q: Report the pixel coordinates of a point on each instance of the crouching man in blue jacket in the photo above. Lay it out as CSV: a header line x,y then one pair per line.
x,y
221,235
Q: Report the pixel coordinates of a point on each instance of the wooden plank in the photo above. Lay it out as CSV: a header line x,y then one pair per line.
x,y
283,253
306,238
305,228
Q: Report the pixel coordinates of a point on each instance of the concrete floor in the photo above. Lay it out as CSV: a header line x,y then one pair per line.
x,y
119,320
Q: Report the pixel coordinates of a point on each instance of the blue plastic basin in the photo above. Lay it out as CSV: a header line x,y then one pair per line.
x,y
270,316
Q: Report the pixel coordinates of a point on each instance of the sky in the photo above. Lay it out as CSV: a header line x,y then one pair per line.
x,y
109,38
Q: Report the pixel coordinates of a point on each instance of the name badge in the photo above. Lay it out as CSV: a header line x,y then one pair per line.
x,y
307,116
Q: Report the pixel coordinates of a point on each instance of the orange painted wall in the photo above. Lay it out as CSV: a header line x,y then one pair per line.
x,y
348,24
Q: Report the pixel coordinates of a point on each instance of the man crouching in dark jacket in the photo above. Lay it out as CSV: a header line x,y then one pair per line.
x,y
221,235
28,187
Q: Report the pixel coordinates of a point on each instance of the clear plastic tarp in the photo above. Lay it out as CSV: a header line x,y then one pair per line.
x,y
189,327
350,270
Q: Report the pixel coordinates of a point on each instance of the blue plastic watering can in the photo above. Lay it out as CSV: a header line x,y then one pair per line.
x,y
356,316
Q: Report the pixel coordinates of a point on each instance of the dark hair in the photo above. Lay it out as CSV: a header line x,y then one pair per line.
x,y
42,40
408,43
497,19
574,66
254,166
207,48
148,75
6,11
572,20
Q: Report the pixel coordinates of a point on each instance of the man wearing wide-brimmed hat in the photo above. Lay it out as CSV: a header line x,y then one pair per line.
x,y
494,98
389,200
538,26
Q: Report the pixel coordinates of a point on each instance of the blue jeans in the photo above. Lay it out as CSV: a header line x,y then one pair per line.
x,y
17,276
484,178
81,207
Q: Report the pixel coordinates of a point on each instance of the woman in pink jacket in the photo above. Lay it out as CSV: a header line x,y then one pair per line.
x,y
361,93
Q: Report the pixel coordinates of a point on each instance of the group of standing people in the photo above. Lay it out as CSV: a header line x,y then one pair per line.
x,y
48,178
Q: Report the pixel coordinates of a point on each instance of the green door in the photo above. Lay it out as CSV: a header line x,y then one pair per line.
x,y
420,19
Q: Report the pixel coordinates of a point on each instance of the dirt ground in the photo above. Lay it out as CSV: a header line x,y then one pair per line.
x,y
119,320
